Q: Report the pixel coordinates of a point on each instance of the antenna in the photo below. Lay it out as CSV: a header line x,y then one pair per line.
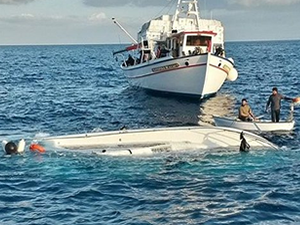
x,y
190,10
205,9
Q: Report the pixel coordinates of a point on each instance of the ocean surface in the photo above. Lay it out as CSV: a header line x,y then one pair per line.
x,y
55,90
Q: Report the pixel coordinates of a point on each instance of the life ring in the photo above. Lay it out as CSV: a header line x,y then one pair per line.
x,y
37,148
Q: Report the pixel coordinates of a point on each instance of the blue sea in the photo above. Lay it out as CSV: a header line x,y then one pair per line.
x,y
56,90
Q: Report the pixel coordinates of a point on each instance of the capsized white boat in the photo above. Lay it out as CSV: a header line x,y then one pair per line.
x,y
260,125
180,54
150,141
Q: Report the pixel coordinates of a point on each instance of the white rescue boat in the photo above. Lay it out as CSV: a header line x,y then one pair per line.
x,y
181,54
260,125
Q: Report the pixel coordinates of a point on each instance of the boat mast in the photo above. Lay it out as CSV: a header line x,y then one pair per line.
x,y
176,15
191,10
123,29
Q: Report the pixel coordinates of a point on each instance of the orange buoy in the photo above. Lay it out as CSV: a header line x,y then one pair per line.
x,y
37,148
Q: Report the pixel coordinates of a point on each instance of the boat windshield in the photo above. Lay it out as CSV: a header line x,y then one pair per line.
x,y
197,40
198,44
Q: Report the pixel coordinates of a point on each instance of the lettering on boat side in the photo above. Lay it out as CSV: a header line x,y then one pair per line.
x,y
161,149
167,67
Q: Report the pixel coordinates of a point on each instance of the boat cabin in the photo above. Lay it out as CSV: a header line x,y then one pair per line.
x,y
191,43
177,45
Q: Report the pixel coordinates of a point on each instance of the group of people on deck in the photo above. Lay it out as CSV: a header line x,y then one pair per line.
x,y
274,101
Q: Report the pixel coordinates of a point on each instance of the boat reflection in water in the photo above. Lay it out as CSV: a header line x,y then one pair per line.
x,y
222,105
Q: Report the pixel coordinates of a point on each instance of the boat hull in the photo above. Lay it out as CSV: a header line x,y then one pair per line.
x,y
195,76
149,141
261,126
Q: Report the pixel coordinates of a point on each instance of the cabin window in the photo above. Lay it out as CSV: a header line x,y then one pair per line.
x,y
197,40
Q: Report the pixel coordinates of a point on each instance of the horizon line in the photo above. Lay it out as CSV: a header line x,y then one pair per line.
x,y
128,43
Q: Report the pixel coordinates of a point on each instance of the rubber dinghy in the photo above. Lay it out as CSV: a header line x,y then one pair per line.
x,y
149,141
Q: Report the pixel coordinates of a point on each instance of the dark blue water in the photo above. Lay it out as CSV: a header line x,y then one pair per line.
x,y
52,90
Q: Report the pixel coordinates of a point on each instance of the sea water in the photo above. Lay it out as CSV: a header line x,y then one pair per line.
x,y
55,90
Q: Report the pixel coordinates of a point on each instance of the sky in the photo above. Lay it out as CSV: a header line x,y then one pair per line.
x,y
90,21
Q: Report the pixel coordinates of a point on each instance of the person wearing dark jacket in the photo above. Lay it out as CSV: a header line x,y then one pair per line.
x,y
275,102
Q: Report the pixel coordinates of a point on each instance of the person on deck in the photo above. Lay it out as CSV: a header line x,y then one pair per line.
x,y
245,113
275,101
219,51
164,51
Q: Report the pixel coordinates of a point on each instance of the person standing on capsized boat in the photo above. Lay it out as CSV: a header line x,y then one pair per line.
x,y
245,113
275,101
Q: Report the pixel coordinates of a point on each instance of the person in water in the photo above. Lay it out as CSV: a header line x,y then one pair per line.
x,y
245,113
275,101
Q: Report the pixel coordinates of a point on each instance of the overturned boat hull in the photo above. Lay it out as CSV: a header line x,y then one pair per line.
x,y
149,141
